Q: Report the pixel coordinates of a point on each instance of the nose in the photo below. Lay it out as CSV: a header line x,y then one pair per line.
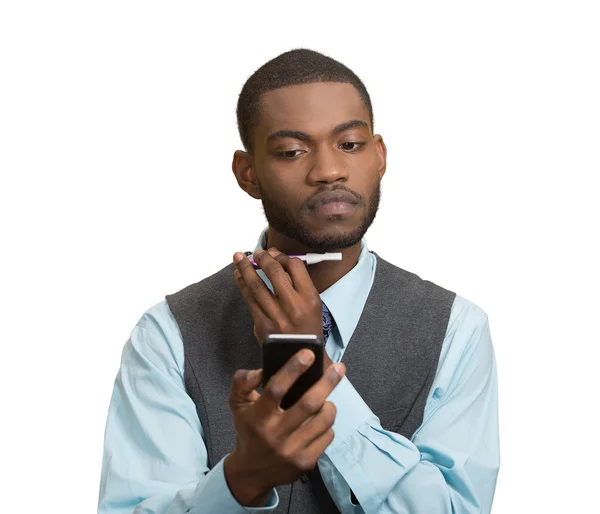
x,y
328,166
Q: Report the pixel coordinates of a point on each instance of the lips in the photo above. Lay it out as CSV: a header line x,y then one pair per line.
x,y
331,197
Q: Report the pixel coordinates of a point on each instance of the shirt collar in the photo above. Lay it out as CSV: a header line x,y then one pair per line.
x,y
346,298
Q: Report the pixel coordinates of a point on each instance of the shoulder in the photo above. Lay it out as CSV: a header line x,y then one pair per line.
x,y
159,320
156,339
467,340
466,325
466,312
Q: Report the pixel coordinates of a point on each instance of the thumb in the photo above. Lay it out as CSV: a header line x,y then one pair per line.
x,y
244,384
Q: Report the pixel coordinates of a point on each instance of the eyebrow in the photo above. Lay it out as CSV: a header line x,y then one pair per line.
x,y
303,136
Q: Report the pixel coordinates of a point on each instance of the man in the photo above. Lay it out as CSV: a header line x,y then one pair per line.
x,y
407,424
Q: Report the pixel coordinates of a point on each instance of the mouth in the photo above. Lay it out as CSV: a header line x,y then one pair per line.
x,y
332,197
336,209
338,204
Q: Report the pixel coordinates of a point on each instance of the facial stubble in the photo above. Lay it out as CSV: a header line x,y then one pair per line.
x,y
283,221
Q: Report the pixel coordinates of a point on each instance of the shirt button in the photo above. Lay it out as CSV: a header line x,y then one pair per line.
x,y
304,478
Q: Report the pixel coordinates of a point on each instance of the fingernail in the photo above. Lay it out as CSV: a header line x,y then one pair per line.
x,y
274,252
237,257
339,368
306,357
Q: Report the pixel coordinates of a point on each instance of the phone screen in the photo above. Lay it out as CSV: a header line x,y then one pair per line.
x,y
277,349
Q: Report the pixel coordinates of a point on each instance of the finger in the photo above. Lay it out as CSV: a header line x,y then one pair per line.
x,y
243,386
257,287
279,384
320,444
277,255
313,400
309,457
282,284
258,314
297,270
315,426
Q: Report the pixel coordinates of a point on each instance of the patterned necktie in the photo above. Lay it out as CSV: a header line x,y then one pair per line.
x,y
327,322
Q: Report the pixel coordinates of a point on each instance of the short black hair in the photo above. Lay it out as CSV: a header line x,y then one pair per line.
x,y
298,66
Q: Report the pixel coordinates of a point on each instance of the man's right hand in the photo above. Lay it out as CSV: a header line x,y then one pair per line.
x,y
276,446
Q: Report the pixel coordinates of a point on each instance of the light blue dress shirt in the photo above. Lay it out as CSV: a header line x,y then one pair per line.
x,y
155,458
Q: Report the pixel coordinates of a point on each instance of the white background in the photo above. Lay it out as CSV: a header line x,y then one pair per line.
x,y
117,128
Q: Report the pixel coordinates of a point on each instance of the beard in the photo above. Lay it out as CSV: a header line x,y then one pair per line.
x,y
283,221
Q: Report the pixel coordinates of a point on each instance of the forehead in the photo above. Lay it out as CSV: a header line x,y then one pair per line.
x,y
312,108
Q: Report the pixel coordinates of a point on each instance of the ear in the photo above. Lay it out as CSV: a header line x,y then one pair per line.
x,y
381,150
244,172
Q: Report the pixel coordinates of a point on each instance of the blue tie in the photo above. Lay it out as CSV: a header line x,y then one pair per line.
x,y
327,322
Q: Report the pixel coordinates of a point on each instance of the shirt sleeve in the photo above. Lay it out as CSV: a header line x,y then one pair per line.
x,y
450,464
155,459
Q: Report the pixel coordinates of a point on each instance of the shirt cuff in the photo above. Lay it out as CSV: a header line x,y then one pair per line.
x,y
214,495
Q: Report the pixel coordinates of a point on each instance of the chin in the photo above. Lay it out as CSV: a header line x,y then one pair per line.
x,y
331,239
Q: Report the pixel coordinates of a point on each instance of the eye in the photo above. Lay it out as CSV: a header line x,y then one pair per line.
x,y
289,154
351,146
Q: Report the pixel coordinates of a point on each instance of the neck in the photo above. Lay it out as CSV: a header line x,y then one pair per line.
x,y
323,274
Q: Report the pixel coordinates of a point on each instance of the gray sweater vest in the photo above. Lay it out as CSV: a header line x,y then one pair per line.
x,y
391,359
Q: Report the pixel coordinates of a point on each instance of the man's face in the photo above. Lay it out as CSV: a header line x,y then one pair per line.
x,y
318,166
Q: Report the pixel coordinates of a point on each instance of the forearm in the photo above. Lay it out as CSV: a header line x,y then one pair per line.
x,y
208,495
438,471
390,474
155,459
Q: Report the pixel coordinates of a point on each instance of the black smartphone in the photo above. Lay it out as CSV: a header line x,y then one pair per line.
x,y
277,349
